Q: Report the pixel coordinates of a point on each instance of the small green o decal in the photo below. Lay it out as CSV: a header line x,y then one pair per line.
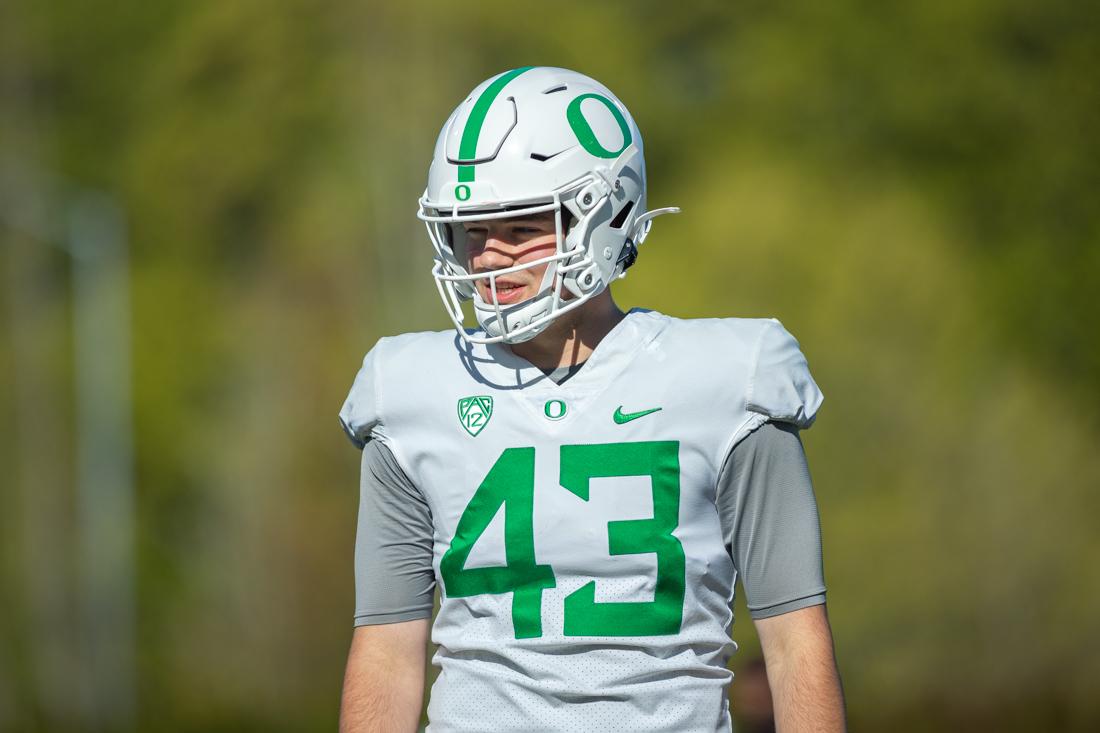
x,y
554,409
583,130
462,192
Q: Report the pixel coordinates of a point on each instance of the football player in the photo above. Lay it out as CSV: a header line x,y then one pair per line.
x,y
583,486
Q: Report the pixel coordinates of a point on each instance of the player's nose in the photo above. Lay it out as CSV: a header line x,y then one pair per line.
x,y
495,255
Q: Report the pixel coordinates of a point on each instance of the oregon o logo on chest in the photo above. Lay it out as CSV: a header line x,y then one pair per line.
x,y
554,409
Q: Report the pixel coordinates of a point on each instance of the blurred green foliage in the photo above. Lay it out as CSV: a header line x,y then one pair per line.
x,y
911,188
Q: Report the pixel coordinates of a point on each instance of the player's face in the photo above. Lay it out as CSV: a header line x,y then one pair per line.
x,y
495,244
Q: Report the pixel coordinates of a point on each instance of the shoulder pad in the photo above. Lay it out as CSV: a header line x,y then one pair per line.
x,y
780,385
360,413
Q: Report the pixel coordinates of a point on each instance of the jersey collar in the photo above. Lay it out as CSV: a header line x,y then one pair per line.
x,y
497,366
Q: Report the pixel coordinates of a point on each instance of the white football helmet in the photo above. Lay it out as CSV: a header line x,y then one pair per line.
x,y
531,140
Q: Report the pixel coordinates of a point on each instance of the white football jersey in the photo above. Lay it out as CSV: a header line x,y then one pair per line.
x,y
583,579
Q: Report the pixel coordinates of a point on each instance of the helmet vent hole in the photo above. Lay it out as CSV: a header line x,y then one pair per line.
x,y
557,88
620,218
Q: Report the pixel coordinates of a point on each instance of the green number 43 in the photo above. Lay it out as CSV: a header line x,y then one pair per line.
x,y
511,482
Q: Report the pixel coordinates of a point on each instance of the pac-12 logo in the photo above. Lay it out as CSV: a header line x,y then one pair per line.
x,y
474,413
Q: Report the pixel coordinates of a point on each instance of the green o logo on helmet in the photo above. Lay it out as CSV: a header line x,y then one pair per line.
x,y
583,130
462,192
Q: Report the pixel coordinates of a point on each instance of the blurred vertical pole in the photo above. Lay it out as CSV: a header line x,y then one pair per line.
x,y
36,617
36,613
104,460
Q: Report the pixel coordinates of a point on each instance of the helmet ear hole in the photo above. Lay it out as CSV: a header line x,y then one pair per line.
x,y
620,219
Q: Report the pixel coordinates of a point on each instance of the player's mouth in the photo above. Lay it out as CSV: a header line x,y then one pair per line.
x,y
508,291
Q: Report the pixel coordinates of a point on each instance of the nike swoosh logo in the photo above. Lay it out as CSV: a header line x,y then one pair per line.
x,y
544,158
620,417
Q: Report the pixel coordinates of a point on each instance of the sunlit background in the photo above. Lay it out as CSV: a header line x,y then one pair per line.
x,y
207,217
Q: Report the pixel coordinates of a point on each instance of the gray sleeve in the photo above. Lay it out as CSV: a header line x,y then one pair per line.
x,y
394,580
769,521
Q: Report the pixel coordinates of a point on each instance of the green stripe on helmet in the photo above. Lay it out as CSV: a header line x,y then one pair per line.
x,y
467,148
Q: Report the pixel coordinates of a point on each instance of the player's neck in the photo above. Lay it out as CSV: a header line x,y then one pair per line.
x,y
572,338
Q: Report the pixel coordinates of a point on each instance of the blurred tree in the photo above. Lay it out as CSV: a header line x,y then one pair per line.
x,y
910,188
